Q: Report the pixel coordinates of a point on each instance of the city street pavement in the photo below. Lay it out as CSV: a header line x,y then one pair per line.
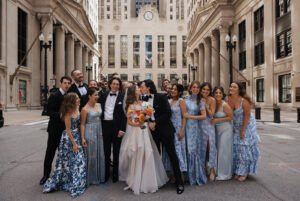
x,y
22,149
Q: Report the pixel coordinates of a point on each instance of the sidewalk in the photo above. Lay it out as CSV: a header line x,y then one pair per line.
x,y
22,117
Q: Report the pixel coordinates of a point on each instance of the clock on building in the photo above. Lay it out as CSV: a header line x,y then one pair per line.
x,y
148,15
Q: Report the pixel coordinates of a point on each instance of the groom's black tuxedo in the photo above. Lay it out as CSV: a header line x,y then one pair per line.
x,y
55,128
111,129
164,131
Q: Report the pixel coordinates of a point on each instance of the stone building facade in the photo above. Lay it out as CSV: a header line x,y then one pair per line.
x,y
266,58
143,39
73,46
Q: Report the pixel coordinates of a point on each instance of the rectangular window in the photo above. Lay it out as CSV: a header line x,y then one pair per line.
x,y
124,51
259,52
136,77
173,51
148,76
22,36
111,51
284,44
161,51
184,46
260,90
124,77
282,7
259,19
136,51
160,78
285,88
174,78
242,60
148,52
242,31
22,91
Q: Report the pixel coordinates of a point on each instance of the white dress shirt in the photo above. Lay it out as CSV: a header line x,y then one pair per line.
x,y
150,100
62,91
82,90
110,106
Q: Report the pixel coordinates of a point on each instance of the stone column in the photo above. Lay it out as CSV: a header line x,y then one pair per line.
x,y
295,6
70,54
60,52
78,55
224,65
201,63
85,64
207,60
215,61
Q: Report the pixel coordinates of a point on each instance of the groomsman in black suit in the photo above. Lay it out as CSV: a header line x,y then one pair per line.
x,y
113,125
55,125
161,126
78,87
84,99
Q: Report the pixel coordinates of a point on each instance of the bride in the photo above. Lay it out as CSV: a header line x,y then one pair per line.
x,y
140,164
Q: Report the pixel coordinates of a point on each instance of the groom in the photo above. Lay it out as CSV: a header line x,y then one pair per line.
x,y
161,126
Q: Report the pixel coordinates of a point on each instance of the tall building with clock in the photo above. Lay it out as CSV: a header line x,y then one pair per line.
x,y
143,39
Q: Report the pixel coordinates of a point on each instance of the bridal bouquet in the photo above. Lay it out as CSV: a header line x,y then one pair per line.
x,y
141,115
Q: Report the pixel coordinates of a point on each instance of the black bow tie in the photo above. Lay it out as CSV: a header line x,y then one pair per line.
x,y
146,98
113,94
80,86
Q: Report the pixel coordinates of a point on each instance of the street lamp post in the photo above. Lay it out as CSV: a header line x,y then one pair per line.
x,y
194,69
45,45
88,69
230,46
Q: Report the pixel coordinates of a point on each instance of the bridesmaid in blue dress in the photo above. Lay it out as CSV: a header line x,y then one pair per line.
x,y
178,108
208,139
92,140
224,133
70,168
195,112
245,139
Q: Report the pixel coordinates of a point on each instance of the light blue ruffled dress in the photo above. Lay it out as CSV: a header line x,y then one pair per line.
x,y
94,150
180,146
224,134
196,173
245,152
208,135
70,168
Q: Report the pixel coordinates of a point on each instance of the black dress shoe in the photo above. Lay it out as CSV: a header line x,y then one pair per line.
x,y
180,189
43,180
115,178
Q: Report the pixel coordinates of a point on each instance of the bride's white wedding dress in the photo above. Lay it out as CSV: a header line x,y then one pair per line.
x,y
140,164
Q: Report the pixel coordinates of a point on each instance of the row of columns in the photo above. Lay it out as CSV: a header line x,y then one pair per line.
x,y
70,54
209,56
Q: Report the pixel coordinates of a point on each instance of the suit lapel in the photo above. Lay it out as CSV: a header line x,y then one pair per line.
x,y
117,101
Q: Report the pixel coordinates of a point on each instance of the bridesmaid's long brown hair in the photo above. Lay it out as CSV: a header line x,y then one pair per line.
x,y
68,105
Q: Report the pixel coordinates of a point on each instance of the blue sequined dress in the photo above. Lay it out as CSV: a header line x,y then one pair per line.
x,y
196,173
245,152
70,168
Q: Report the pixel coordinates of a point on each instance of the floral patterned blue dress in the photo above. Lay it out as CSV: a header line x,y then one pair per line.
x,y
94,150
245,152
180,146
208,135
196,173
70,168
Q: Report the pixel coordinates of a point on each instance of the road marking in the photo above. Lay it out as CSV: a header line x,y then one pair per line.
x,y
36,122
